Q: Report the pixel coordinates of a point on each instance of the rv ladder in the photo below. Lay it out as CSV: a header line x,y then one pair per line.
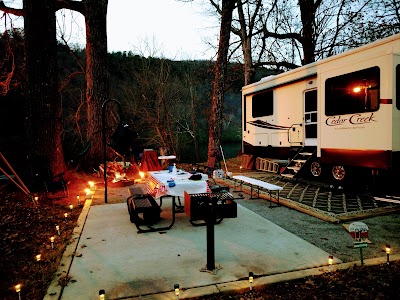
x,y
266,164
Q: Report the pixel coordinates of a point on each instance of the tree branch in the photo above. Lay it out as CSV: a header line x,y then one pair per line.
x,y
72,5
9,10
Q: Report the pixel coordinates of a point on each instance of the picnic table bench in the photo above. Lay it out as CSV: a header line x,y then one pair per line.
x,y
259,184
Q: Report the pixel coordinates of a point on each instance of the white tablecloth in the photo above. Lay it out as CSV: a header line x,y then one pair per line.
x,y
157,184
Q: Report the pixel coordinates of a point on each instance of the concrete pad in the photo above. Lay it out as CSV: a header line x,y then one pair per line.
x,y
111,255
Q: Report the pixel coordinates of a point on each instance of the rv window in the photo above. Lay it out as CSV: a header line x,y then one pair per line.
x,y
398,86
355,92
263,104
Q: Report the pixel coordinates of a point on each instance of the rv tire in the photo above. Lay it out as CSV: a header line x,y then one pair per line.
x,y
316,168
338,172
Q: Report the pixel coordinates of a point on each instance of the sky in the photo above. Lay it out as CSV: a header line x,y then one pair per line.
x,y
167,28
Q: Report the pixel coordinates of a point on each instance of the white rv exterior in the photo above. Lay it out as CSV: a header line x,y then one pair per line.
x,y
345,106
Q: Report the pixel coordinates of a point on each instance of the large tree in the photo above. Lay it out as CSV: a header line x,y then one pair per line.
x,y
44,122
220,70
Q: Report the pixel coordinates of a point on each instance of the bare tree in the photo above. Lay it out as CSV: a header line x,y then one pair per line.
x,y
97,89
214,135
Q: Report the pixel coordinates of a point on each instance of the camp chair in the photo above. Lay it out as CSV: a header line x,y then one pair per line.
x,y
53,187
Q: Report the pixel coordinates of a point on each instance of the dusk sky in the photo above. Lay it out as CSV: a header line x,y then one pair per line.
x,y
170,28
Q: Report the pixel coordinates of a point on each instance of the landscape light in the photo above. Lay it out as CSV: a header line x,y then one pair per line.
x,y
38,257
251,280
52,242
387,250
18,290
58,229
71,207
330,261
88,194
91,185
176,288
65,216
78,199
36,198
102,294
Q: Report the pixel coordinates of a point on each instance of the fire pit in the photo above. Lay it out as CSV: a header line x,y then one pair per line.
x,y
120,180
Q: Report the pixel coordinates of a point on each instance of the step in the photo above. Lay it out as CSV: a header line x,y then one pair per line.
x,y
306,153
294,168
287,175
300,160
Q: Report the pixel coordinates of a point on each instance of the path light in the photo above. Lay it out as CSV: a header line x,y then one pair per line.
x,y
52,242
330,262
18,290
387,250
36,198
58,229
38,257
176,288
71,207
91,185
65,216
102,294
89,195
251,280
78,199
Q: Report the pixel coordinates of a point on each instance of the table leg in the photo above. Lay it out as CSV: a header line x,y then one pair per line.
x,y
156,229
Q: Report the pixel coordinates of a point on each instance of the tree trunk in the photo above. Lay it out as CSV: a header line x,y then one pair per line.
x,y
214,134
307,9
43,104
97,76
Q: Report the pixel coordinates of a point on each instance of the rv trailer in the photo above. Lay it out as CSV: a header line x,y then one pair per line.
x,y
335,115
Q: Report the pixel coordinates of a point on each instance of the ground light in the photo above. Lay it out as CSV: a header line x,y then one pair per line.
x,y
330,262
71,207
38,257
176,288
251,280
102,294
65,217
58,229
91,185
387,249
18,290
78,198
52,242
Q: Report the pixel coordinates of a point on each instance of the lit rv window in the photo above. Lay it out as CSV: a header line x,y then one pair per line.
x,y
350,93
263,104
398,86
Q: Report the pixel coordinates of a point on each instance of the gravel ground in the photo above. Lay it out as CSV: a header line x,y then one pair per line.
x,y
333,238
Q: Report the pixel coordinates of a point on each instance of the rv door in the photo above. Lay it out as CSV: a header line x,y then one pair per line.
x,y
310,117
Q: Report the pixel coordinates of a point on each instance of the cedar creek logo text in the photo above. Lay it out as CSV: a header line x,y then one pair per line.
x,y
354,119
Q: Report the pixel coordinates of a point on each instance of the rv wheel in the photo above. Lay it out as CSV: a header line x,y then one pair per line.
x,y
338,172
316,169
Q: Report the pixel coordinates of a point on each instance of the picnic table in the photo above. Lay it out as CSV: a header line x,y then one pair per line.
x,y
259,184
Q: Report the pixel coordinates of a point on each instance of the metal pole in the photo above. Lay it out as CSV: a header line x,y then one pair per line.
x,y
103,121
210,220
